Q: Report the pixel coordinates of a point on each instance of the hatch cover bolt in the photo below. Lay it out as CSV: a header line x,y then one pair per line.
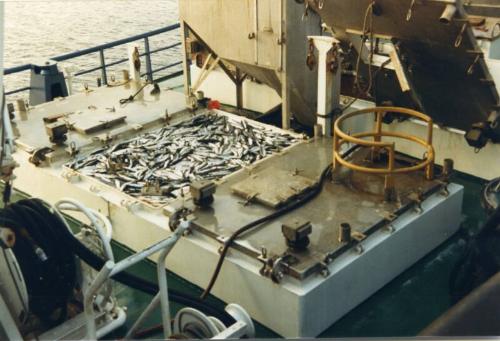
x,y
263,252
296,234
345,233
325,272
448,166
359,249
390,228
57,132
202,192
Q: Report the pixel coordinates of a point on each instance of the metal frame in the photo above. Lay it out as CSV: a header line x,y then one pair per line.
x,y
111,268
103,65
341,138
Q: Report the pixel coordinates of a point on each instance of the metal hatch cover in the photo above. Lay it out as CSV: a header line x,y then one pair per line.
x,y
87,125
356,199
446,68
272,187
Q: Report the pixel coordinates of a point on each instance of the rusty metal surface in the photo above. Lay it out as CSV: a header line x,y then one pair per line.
x,y
450,82
272,187
357,199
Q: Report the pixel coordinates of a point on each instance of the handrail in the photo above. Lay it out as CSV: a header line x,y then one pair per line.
x,y
103,65
341,138
115,43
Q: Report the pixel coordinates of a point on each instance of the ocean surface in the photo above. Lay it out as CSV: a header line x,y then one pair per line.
x,y
38,30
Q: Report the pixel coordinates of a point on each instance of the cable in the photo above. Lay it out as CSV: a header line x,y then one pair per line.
x,y
368,13
357,85
132,97
312,193
95,218
46,262
38,228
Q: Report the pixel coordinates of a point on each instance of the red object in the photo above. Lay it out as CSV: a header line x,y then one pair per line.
x,y
213,104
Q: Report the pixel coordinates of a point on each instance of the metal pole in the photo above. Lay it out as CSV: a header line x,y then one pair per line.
x,y
328,81
155,302
1,47
89,296
389,190
147,52
7,323
168,243
186,61
8,163
430,168
162,284
103,67
239,90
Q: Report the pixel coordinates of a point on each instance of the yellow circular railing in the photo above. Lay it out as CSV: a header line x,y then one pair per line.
x,y
341,138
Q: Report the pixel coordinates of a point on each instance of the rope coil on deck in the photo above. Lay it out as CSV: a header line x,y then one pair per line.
x,y
341,138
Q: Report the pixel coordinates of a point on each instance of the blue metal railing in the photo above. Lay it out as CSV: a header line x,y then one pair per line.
x,y
103,65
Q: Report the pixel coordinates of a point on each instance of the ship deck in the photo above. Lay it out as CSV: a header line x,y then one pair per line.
x,y
402,308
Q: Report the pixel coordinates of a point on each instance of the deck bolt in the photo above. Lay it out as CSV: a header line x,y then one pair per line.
x,y
359,249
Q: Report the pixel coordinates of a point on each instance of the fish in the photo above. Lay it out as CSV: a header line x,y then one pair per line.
x,y
157,166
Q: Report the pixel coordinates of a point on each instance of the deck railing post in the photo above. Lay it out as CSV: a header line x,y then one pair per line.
x,y
147,52
103,67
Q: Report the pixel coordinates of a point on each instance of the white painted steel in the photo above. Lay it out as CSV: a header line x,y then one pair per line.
x,y
134,74
448,144
328,90
96,220
256,96
291,308
7,323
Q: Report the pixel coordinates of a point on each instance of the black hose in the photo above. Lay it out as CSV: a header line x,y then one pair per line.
x,y
36,224
47,263
309,195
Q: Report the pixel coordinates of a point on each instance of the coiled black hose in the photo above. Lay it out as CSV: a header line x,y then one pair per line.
x,y
47,262
40,232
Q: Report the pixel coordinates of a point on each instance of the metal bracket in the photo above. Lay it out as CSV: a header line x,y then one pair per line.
x,y
274,267
417,198
409,14
40,155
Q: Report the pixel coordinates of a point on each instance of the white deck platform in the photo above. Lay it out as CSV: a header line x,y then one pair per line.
x,y
292,308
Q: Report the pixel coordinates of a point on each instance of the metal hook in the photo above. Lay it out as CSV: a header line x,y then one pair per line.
x,y
459,39
470,70
306,11
409,14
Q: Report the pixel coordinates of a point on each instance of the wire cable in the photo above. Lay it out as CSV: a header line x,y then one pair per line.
x,y
357,86
132,97
368,15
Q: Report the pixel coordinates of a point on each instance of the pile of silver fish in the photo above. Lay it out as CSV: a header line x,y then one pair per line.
x,y
160,164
